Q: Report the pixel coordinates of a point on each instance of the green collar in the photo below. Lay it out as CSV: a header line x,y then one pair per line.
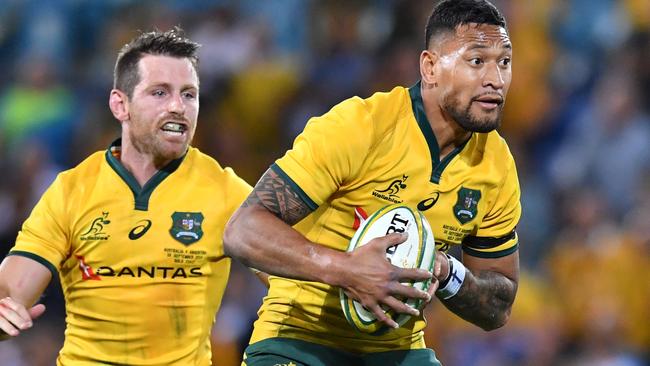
x,y
141,194
437,166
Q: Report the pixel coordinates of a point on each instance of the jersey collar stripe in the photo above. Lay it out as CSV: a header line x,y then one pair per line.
x,y
437,166
141,194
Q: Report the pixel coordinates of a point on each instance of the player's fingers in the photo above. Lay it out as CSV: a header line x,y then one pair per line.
x,y
400,290
412,274
11,317
381,316
15,313
7,327
394,239
15,306
36,311
437,264
400,306
433,287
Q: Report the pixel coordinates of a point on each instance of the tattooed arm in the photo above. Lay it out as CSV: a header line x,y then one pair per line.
x,y
258,232
488,291
260,235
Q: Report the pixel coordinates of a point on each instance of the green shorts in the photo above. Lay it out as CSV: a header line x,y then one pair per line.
x,y
294,352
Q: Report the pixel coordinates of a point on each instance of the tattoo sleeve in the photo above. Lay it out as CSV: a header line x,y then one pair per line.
x,y
485,299
276,195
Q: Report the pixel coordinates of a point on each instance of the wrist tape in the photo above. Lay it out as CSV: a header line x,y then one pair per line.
x,y
451,285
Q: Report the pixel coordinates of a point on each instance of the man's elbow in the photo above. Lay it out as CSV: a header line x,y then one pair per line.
x,y
496,321
232,236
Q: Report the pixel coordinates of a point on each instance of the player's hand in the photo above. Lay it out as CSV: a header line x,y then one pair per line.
x,y
374,282
15,317
440,273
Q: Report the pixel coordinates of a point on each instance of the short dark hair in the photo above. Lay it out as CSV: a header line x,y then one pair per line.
x,y
170,43
449,14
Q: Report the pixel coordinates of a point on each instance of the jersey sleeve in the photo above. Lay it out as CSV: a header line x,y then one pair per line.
x,y
328,153
44,236
496,236
237,191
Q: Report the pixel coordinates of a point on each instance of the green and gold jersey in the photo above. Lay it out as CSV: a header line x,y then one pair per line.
x,y
142,269
368,153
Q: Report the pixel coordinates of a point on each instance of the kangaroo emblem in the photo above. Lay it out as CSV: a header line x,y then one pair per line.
x,y
98,224
394,188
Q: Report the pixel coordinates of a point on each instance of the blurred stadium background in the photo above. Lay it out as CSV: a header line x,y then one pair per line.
x,y
577,120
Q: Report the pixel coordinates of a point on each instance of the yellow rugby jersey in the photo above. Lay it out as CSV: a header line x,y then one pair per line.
x,y
368,153
142,269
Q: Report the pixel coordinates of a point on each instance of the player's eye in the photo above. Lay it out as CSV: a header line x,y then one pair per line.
x,y
189,95
505,62
476,61
158,93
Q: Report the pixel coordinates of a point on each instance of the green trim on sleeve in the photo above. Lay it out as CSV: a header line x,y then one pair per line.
x,y
37,258
497,254
305,198
487,242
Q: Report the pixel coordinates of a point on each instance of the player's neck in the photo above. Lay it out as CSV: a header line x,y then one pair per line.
x,y
141,165
448,133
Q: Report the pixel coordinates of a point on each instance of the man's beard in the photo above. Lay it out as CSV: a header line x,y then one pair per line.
x,y
466,120
148,143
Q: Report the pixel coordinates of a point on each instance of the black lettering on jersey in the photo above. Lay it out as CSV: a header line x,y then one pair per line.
x,y
105,271
126,271
140,229
429,202
391,193
164,270
179,272
151,274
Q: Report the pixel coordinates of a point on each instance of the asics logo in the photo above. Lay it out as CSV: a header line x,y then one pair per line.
x,y
427,203
140,229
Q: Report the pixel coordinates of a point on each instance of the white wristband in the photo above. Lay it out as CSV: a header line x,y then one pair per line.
x,y
456,277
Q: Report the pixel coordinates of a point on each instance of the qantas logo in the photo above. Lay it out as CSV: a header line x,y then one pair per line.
x,y
151,272
140,229
86,270
359,217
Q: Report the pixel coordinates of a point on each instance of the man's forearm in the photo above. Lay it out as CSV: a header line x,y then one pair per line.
x,y
260,235
261,240
484,299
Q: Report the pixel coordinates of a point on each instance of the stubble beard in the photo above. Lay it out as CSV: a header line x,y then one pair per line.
x,y
149,144
467,120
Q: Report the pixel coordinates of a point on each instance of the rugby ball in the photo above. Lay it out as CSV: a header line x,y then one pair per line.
x,y
416,252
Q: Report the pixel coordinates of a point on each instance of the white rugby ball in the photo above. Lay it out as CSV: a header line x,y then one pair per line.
x,y
416,252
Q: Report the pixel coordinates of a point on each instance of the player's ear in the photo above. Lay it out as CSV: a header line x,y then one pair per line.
x,y
118,102
428,60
